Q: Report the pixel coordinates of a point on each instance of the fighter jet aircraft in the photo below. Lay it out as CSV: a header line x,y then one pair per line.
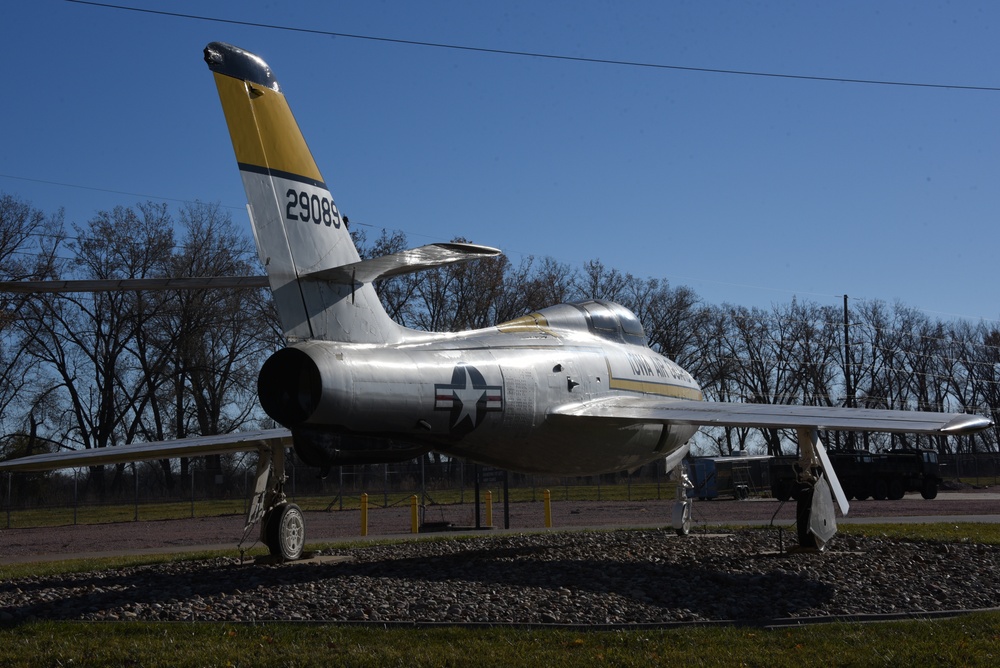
x,y
572,389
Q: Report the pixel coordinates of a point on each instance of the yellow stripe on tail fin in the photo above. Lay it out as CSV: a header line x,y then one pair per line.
x,y
298,229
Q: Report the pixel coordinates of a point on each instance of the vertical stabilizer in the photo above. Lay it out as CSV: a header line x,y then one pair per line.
x,y
298,229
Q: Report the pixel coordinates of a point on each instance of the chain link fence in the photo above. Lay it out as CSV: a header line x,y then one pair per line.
x,y
141,491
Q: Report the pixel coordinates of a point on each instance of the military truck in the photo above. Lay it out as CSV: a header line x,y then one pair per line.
x,y
863,475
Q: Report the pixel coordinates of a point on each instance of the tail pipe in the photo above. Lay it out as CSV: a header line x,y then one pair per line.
x,y
290,387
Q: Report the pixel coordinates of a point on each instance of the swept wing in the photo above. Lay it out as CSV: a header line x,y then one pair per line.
x,y
778,416
185,447
111,285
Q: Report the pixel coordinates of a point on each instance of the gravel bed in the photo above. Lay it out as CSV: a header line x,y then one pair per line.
x,y
609,577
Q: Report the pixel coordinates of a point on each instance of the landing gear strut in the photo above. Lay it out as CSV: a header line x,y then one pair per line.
x,y
283,527
682,507
815,521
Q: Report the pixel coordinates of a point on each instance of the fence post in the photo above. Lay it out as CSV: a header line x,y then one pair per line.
x,y
479,524
364,514
489,508
547,496
506,499
414,515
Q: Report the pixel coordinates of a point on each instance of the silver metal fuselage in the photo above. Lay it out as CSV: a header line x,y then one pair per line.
x,y
488,395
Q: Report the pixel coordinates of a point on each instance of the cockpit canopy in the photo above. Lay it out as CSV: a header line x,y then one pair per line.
x,y
606,319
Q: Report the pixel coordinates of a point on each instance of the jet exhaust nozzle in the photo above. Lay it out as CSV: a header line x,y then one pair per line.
x,y
290,387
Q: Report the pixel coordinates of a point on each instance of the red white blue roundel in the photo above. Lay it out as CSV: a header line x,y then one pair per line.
x,y
468,398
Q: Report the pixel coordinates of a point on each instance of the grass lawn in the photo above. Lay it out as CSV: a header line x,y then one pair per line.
x,y
970,640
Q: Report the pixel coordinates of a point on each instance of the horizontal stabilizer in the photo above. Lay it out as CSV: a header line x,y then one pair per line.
x,y
403,262
197,446
776,416
136,284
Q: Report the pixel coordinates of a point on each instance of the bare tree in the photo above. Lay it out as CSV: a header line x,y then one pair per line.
x,y
597,281
551,282
26,252
974,375
718,372
216,339
84,341
397,293
764,346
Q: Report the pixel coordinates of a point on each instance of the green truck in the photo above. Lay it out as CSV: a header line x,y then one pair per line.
x,y
864,475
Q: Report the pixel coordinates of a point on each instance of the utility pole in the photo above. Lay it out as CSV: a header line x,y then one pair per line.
x,y
847,357
849,386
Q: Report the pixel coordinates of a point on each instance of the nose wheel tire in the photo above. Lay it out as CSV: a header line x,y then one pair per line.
x,y
285,531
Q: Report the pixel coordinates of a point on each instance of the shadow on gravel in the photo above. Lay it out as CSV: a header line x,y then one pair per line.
x,y
702,589
698,590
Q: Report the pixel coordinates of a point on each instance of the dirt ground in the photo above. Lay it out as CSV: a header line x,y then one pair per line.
x,y
225,532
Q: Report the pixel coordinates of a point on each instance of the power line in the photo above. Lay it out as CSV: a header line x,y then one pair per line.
x,y
533,54
113,192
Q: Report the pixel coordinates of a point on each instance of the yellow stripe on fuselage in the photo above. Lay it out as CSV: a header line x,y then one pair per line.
x,y
660,389
263,130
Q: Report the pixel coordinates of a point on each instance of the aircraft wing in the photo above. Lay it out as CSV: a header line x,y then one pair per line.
x,y
111,285
778,416
185,447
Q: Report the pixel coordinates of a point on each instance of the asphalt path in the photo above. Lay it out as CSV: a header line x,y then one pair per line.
x,y
25,545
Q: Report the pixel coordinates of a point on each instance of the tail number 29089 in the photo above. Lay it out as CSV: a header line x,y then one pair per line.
x,y
311,208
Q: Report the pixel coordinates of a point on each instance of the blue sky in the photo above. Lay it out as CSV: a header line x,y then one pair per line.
x,y
750,190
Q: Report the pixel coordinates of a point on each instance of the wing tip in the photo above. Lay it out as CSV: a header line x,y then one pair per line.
x,y
967,423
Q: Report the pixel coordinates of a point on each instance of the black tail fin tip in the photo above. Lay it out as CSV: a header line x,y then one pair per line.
x,y
235,62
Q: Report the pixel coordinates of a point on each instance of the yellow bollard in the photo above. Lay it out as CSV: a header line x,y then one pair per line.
x,y
364,514
489,508
414,518
547,496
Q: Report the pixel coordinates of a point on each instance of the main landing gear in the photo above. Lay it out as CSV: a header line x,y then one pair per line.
x,y
682,506
282,525
815,521
284,531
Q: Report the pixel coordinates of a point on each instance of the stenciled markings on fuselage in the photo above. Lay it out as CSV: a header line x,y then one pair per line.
x,y
306,200
467,398
317,207
650,366
634,371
